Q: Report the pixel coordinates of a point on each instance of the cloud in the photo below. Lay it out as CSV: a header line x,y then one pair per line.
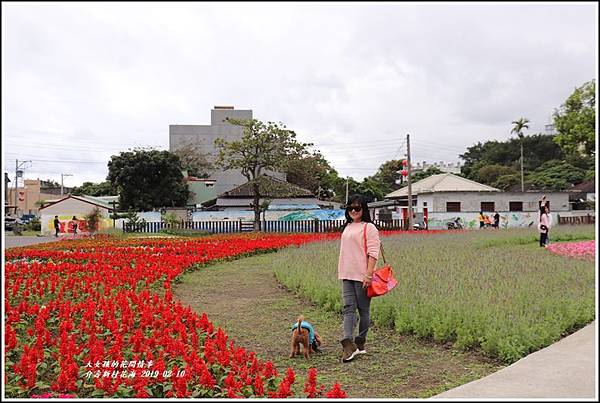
x,y
87,80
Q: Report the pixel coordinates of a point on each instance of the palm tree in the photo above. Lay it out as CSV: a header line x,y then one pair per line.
x,y
520,124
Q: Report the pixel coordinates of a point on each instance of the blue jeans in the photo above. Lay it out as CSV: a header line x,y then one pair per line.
x,y
354,296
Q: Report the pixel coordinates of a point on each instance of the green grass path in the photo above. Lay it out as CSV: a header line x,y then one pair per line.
x,y
245,299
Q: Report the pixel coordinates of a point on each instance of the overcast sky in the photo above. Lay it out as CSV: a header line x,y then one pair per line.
x,y
81,82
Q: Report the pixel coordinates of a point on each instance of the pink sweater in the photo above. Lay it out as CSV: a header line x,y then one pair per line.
x,y
544,220
352,263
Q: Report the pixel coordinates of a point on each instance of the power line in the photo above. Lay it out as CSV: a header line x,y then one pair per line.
x,y
362,142
33,159
438,145
356,146
79,140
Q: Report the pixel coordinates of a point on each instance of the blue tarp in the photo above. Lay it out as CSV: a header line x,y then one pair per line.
x,y
314,214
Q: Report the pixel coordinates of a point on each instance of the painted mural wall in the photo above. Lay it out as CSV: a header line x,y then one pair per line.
x,y
67,224
236,215
511,219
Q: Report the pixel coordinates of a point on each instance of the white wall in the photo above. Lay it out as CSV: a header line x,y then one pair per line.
x,y
471,201
65,210
470,220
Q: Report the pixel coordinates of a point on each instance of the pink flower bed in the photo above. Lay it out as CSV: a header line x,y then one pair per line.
x,y
584,250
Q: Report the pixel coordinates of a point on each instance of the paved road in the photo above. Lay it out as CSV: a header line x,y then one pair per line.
x,y
565,369
12,241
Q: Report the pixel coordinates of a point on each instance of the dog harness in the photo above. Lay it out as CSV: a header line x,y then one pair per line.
x,y
307,326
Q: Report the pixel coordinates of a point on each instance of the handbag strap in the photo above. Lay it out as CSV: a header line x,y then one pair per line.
x,y
365,242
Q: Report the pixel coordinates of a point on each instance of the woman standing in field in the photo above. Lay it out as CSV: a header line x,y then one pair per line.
x,y
544,227
359,251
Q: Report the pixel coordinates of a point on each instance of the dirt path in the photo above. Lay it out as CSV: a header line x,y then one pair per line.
x,y
244,298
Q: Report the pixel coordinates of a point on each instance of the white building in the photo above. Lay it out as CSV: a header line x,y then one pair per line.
x,y
74,206
445,197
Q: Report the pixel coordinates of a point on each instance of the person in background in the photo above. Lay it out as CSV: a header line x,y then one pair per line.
x,y
75,223
56,226
481,220
496,220
544,227
543,203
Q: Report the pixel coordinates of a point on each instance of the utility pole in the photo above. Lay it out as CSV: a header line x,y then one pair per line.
x,y
114,212
408,167
18,173
61,182
522,185
347,180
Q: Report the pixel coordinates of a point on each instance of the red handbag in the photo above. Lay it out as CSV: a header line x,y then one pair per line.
x,y
383,280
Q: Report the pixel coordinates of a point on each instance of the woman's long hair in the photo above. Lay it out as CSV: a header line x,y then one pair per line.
x,y
365,217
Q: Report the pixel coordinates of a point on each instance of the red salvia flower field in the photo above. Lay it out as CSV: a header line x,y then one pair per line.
x,y
96,318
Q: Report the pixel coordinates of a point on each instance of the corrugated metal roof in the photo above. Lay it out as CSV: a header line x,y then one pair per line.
x,y
96,200
443,183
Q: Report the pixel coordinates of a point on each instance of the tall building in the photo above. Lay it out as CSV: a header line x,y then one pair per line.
x,y
204,136
31,194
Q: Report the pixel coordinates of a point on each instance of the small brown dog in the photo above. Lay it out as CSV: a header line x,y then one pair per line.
x,y
301,335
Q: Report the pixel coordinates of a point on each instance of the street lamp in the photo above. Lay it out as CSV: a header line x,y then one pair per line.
x,y
61,182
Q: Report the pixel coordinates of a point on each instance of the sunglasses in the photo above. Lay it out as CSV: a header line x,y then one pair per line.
x,y
354,208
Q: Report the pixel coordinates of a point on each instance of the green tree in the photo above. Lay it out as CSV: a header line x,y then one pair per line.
x,y
147,178
506,182
387,175
93,219
420,175
339,188
134,221
537,149
371,189
94,189
50,184
489,174
170,219
333,188
556,175
194,161
263,146
313,172
575,122
39,203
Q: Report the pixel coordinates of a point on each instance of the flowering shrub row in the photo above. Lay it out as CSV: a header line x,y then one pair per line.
x,y
475,289
97,318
